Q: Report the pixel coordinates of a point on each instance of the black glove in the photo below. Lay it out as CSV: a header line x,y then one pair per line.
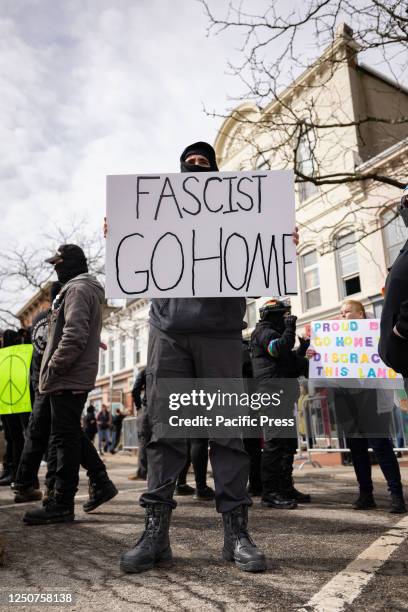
x,y
290,322
304,342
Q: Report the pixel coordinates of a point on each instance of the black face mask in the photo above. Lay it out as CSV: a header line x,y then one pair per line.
x,y
185,167
69,269
276,321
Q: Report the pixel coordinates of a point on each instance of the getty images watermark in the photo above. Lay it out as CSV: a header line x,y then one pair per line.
x,y
224,408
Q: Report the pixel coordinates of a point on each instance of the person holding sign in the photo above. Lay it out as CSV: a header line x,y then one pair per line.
x,y
277,366
364,428
194,338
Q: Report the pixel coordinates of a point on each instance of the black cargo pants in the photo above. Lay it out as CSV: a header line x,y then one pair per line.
x,y
192,356
36,444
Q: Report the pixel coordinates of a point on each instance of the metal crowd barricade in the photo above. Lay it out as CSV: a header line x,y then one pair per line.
x,y
129,432
322,430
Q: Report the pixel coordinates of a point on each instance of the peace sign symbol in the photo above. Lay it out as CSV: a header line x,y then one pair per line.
x,y
13,379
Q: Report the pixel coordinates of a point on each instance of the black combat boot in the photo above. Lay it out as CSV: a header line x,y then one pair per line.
x,y
184,489
54,511
205,494
365,501
397,504
275,500
298,496
101,490
153,547
238,545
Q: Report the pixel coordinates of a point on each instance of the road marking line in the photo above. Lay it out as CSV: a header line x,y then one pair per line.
x,y
348,584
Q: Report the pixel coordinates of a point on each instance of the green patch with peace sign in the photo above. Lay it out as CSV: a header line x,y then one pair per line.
x,y
15,379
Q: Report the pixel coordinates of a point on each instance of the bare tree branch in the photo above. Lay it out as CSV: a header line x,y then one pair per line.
x,y
299,116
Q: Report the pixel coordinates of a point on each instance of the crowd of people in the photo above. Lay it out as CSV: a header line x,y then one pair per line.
x,y
108,426
188,338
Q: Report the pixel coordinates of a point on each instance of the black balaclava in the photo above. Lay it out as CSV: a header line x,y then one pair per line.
x,y
199,148
277,321
11,337
73,263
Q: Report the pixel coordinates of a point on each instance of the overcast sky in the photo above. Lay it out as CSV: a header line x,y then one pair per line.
x,y
90,88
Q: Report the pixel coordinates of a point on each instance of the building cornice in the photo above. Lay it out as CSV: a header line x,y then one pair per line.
x,y
394,152
343,40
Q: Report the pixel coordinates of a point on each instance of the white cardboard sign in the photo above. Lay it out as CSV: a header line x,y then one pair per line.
x,y
348,349
201,234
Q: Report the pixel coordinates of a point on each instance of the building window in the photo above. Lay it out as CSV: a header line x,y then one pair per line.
x,y
310,280
137,345
305,164
102,362
347,261
122,351
251,316
395,235
111,354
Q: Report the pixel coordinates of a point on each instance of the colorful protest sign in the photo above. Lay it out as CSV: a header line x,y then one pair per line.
x,y
347,349
15,379
205,234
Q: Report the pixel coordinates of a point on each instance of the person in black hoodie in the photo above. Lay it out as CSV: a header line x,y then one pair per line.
x,y
393,345
194,338
274,357
89,425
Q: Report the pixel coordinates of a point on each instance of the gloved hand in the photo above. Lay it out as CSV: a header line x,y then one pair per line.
x,y
290,322
304,342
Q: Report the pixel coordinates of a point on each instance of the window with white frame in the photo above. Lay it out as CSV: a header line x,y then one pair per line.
x,y
111,354
251,316
310,280
305,164
137,345
122,351
394,234
102,362
347,264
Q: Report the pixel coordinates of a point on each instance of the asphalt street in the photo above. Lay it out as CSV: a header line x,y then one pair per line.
x,y
323,556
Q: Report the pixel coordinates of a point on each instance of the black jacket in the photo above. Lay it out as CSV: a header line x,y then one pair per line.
x,y
287,363
39,332
70,361
139,390
90,423
117,423
392,349
222,317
